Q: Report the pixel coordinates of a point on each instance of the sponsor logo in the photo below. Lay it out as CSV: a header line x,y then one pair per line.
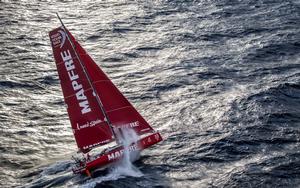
x,y
80,96
89,124
130,125
118,154
96,144
58,39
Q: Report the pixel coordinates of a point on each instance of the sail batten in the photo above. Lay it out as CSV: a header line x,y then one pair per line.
x,y
84,90
95,82
121,108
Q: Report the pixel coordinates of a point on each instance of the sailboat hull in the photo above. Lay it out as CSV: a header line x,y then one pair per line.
x,y
108,158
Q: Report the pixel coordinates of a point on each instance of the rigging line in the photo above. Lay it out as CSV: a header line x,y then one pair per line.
x,y
88,78
118,108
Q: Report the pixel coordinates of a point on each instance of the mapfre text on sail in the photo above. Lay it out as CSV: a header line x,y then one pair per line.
x,y
70,67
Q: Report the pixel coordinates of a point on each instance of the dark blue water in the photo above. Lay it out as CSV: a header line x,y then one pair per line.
x,y
219,79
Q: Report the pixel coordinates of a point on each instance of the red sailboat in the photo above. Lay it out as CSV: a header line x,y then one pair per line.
x,y
98,111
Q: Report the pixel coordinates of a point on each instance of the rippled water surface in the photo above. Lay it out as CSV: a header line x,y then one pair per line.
x,y
220,79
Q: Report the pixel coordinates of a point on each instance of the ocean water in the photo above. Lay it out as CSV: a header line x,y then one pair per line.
x,y
219,79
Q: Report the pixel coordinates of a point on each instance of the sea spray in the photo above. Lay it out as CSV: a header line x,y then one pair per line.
x,y
124,166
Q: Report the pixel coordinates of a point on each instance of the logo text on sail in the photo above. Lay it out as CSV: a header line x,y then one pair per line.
x,y
82,99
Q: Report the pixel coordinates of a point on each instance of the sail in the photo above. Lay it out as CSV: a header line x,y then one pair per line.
x,y
119,111
88,122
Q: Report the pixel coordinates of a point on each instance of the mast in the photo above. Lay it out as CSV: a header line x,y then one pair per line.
x,y
89,81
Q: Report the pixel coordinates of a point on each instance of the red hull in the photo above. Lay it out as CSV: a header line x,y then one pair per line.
x,y
108,158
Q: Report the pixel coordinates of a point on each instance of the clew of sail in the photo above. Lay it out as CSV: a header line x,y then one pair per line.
x,y
88,122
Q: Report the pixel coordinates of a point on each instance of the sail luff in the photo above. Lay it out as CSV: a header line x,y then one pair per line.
x,y
89,81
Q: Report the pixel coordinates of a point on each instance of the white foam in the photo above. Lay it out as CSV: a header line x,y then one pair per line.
x,y
124,167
